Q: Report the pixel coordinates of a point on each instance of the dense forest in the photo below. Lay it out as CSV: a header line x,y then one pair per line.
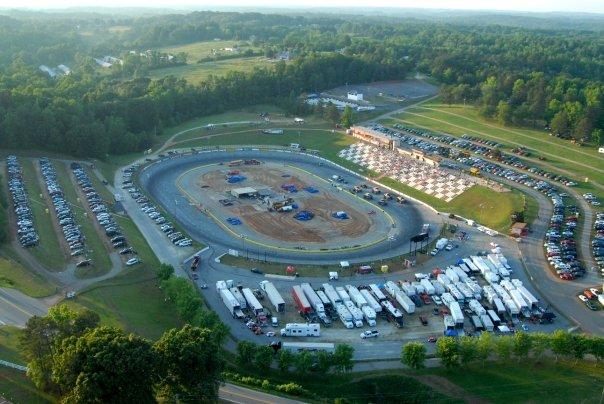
x,y
520,76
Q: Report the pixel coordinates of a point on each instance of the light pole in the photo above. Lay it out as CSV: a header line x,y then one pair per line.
x,y
243,243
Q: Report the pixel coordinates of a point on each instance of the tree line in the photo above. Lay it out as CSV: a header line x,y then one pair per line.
x,y
4,232
463,351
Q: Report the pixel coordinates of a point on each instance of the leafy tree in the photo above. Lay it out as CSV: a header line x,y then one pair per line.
x,y
560,124
263,357
304,362
597,137
561,343
165,271
324,361
42,334
484,346
504,113
190,364
414,355
348,117
342,358
522,345
105,365
285,359
503,347
467,349
331,113
579,346
540,342
246,351
596,347
447,350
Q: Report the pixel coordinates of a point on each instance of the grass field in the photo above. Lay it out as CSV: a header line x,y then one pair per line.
x,y
97,249
14,275
199,50
48,251
17,388
560,155
549,382
199,72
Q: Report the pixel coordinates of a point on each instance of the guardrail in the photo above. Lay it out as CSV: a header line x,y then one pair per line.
x,y
13,366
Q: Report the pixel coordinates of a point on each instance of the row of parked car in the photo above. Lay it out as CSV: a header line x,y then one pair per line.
x,y
26,231
597,243
176,237
65,217
469,143
101,212
560,245
591,199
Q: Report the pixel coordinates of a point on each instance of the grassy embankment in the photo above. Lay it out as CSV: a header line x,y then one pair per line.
x,y
97,249
15,275
49,251
560,156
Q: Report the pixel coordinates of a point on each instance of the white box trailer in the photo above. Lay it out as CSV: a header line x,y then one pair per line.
x,y
530,299
428,287
357,314
494,317
344,315
405,302
343,294
231,303
479,263
441,243
377,292
252,302
439,288
356,296
332,295
503,294
475,288
504,261
465,290
324,299
273,295
487,323
369,315
491,277
419,288
457,314
492,267
516,282
455,293
507,285
490,293
463,277
371,301
499,306
470,264
295,347
511,307
239,297
451,274
220,285
447,299
601,299
301,330
408,289
476,307
518,299
312,297
443,279
392,288
462,265
393,313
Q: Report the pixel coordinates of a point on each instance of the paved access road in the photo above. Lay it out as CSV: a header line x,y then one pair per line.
x,y
16,308
231,393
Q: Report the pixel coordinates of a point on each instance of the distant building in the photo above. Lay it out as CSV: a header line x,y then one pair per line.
x,y
519,229
421,155
66,71
374,137
51,72
285,55
601,150
354,96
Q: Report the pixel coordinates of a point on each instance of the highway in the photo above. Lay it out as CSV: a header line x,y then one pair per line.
x,y
231,393
16,308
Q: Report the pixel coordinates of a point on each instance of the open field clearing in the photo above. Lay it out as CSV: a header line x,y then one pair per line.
x,y
561,155
14,275
48,251
16,387
563,382
204,49
199,72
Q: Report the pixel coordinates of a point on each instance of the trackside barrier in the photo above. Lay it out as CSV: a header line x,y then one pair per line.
x,y
13,366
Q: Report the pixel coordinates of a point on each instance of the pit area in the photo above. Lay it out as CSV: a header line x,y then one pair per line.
x,y
254,207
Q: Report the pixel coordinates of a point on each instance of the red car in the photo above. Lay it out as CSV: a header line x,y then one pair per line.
x,y
432,339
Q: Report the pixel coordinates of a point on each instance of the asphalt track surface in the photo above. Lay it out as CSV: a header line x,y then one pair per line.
x,y
160,181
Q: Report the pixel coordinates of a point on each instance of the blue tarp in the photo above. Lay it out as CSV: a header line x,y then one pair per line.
x,y
304,215
234,221
235,178
311,190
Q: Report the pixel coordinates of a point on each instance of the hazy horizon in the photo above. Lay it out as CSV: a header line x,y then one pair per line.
x,y
544,6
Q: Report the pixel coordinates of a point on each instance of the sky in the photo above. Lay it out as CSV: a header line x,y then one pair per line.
x,y
591,6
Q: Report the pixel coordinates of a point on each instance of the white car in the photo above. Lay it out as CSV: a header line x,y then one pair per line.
x,y
583,298
434,252
133,261
370,334
437,301
270,334
595,291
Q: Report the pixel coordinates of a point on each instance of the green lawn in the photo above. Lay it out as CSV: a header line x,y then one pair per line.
x,y
15,275
199,50
196,73
549,382
18,389
131,301
48,252
9,344
482,204
564,157
96,247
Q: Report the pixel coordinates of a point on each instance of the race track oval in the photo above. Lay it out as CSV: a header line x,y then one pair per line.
x,y
160,180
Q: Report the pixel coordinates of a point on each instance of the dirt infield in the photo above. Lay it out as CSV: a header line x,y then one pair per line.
x,y
211,186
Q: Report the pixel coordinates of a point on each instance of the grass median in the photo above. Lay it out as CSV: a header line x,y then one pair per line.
x,y
15,275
